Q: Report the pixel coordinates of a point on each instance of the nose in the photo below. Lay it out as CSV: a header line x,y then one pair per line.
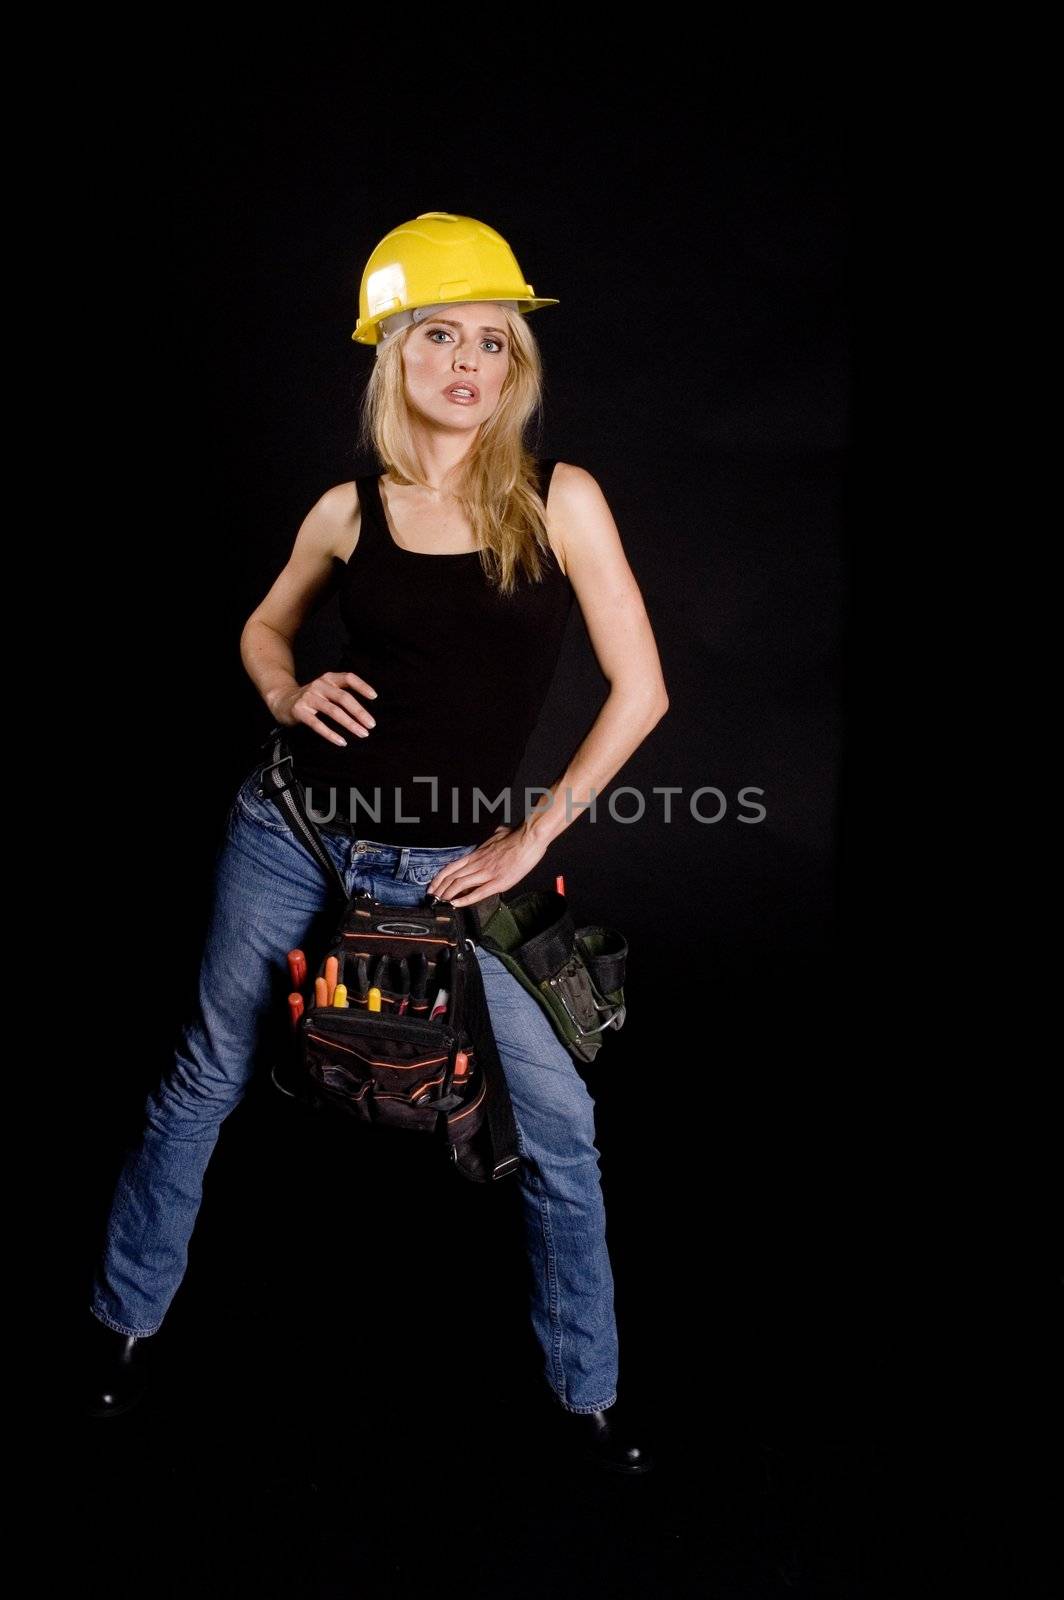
x,y
465,358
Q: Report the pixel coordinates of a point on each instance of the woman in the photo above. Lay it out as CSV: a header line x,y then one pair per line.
x,y
455,581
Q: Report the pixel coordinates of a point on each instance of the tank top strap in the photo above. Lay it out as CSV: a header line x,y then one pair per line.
x,y
373,530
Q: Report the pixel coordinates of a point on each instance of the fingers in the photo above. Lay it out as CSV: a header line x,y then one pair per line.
x,y
327,695
478,867
496,865
347,706
314,704
442,884
311,721
459,879
350,714
359,683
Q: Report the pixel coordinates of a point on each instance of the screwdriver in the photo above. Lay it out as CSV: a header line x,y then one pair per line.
x,y
332,976
419,999
362,977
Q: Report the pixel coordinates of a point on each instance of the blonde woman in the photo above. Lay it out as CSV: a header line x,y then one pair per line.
x,y
455,567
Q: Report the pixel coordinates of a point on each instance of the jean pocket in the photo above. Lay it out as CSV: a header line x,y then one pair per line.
x,y
266,813
392,891
422,870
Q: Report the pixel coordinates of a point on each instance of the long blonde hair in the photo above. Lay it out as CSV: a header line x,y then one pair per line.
x,y
497,486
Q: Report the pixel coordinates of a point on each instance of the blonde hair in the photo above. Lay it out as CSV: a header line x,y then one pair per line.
x,y
497,482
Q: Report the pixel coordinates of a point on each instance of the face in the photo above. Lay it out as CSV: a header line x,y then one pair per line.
x,y
466,346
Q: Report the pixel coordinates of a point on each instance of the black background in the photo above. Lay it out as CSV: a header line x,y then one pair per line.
x,y
699,364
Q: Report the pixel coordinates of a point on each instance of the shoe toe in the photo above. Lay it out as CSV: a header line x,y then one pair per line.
x,y
115,1378
608,1438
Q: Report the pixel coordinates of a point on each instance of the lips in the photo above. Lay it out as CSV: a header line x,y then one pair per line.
x,y
454,392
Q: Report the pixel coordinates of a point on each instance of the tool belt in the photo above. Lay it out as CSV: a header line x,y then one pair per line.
x,y
576,974
398,1066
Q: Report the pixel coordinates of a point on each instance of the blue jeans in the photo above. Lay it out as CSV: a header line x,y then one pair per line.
x,y
268,891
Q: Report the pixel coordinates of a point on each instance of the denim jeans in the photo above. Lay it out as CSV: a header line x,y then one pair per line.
x,y
268,891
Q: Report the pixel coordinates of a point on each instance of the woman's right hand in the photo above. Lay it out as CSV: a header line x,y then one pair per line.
x,y
329,693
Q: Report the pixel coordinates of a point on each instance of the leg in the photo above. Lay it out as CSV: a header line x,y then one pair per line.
x,y
565,1219
268,891
564,1210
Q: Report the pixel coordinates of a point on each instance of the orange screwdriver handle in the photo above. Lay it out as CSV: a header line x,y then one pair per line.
x,y
332,977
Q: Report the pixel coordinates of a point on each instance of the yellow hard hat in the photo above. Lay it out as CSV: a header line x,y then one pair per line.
x,y
437,260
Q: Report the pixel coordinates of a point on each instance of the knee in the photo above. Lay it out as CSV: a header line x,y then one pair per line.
x,y
186,1101
205,1082
558,1129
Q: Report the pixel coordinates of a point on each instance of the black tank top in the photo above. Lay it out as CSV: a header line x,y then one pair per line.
x,y
461,674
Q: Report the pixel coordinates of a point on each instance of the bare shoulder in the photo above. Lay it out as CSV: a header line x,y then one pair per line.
x,y
570,480
329,531
336,519
578,517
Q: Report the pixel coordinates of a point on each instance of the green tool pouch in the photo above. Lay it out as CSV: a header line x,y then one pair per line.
x,y
576,974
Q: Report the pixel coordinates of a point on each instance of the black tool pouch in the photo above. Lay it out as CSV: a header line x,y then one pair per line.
x,y
403,1069
576,974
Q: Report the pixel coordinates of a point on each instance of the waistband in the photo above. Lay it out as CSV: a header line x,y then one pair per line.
x,y
347,828
383,849
379,848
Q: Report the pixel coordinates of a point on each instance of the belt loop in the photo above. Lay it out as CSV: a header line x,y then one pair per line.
x,y
402,865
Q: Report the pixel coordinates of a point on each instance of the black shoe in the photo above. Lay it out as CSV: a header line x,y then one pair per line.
x,y
604,1437
116,1377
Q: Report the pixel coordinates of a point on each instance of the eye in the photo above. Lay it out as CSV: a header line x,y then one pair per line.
x,y
488,339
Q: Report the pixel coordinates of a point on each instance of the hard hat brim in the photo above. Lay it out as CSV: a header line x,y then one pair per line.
x,y
370,334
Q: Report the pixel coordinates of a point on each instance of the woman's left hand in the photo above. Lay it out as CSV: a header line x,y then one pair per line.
x,y
493,866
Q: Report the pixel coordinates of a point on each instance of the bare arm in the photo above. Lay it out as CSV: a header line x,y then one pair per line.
x,y
331,525
623,642
624,646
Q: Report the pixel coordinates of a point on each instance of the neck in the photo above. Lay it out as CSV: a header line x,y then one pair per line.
x,y
439,453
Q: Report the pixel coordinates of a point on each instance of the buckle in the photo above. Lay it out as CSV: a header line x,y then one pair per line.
x,y
278,788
